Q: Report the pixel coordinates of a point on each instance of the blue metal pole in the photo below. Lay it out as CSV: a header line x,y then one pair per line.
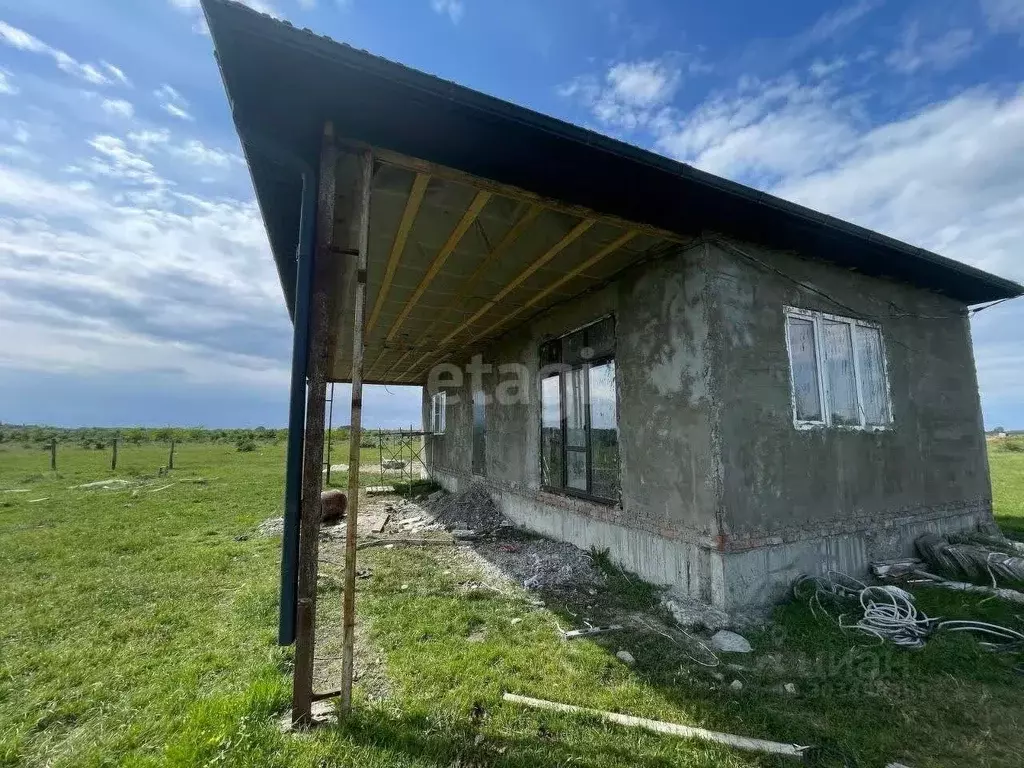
x,y
297,410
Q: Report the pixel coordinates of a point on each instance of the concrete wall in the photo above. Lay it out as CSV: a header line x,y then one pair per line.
x,y
721,495
667,420
805,500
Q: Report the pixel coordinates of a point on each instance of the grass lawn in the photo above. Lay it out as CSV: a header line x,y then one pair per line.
x,y
138,629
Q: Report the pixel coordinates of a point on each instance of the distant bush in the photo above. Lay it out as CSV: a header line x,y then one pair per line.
x,y
246,445
1016,446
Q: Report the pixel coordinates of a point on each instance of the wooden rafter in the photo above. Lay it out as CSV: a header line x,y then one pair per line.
x,y
516,193
466,289
477,205
518,280
412,206
538,297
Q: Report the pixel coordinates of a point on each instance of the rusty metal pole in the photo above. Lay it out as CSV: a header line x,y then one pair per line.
x,y
355,433
312,458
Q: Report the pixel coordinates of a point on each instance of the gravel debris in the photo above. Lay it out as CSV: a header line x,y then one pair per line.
x,y
474,510
272,526
532,561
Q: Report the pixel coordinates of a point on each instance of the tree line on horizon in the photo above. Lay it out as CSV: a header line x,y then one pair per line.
x,y
100,438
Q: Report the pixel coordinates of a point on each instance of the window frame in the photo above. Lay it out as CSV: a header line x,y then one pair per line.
x,y
562,372
817,318
438,407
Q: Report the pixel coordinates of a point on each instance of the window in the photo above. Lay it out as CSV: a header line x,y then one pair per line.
x,y
579,421
479,432
437,408
837,371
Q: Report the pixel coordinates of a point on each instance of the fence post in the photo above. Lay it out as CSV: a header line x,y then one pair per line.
x,y
170,459
53,453
113,455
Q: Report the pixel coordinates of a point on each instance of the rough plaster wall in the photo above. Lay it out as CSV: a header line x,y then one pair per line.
x,y
669,464
783,482
668,409
454,449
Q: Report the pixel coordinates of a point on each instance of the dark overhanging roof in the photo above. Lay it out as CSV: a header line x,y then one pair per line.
x,y
285,83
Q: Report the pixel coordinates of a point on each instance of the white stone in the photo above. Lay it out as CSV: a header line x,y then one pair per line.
x,y
736,685
625,657
789,688
693,614
729,642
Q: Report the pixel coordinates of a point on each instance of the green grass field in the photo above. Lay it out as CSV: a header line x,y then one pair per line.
x,y
138,629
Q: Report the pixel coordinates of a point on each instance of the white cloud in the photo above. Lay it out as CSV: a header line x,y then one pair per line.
x,y
175,111
835,21
116,73
118,108
22,40
762,132
949,178
630,93
92,281
197,153
1004,15
7,87
643,83
452,8
822,69
940,54
115,160
148,138
173,103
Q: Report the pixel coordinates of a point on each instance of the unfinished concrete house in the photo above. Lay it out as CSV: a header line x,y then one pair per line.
x,y
723,389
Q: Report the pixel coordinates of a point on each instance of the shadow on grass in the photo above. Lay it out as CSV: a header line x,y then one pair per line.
x,y
858,700
467,743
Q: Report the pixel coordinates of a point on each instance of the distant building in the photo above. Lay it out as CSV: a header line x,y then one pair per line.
x,y
722,388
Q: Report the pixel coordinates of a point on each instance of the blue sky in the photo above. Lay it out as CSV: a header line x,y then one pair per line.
x,y
136,285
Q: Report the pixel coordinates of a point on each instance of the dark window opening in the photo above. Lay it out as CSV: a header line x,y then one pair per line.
x,y
579,416
479,433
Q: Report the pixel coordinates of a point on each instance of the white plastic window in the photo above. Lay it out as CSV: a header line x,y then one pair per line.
x,y
437,412
837,371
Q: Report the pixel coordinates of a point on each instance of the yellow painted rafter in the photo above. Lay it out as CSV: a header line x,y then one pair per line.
x,y
537,298
412,206
548,255
475,207
467,288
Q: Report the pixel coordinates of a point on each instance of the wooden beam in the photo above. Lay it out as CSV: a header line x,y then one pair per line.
x,y
309,518
516,193
538,297
355,433
467,287
477,205
548,255
412,206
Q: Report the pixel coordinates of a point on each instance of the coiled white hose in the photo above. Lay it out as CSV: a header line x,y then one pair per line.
x,y
890,614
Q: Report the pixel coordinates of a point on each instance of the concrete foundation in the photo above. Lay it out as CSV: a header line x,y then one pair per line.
x,y
721,496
